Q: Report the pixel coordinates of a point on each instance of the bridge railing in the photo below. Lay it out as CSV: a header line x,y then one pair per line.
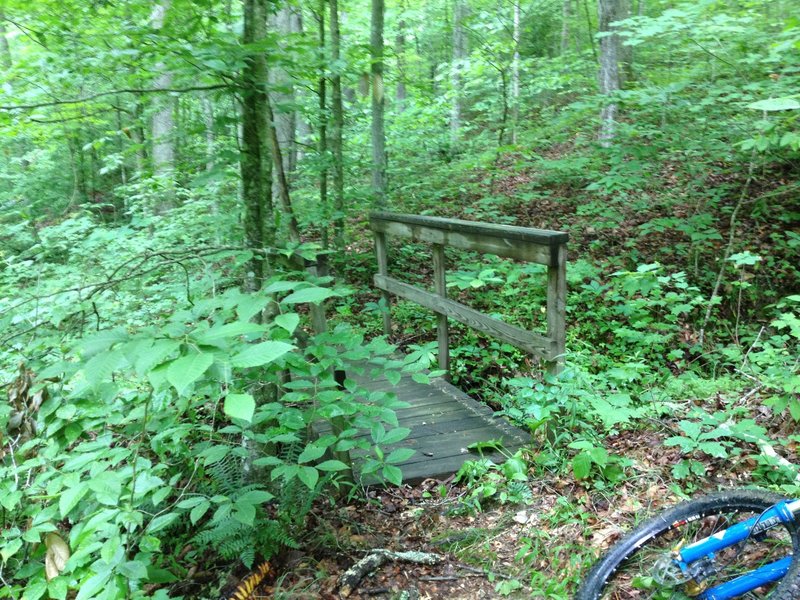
x,y
521,243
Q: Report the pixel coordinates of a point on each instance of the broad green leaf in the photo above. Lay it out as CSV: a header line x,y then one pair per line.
x,y
332,465
581,466
393,377
311,452
70,498
184,371
395,435
314,295
93,585
216,334
249,305
309,476
100,368
198,511
240,406
245,513
773,104
257,355
289,321
102,340
215,454
392,474
400,455
162,522
256,497
10,549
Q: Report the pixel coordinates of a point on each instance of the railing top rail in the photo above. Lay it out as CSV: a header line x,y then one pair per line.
x,y
541,237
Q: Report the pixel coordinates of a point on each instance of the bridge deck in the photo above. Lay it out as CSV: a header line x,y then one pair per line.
x,y
444,421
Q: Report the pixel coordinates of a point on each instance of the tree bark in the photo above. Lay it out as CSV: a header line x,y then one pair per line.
x,y
400,51
515,75
255,161
456,76
322,141
337,129
280,176
5,50
162,124
378,134
286,22
609,78
566,12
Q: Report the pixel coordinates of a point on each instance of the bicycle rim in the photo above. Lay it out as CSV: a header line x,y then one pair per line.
x,y
629,571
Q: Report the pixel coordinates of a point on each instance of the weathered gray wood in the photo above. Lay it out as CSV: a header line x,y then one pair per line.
x,y
516,336
383,269
556,309
488,243
542,237
440,286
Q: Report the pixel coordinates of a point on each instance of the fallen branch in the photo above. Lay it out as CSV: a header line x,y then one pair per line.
x,y
350,579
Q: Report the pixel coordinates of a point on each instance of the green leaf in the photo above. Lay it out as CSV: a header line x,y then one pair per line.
x,y
309,476
245,513
102,340
215,454
261,354
393,377
216,334
255,497
70,498
392,474
93,585
289,321
714,449
198,511
240,406
184,371
100,368
314,295
162,522
400,455
581,466
395,435
773,104
310,452
332,465
10,549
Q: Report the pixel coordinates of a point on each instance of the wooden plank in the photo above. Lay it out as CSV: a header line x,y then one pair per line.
x,y
516,336
383,269
488,244
556,310
440,286
542,237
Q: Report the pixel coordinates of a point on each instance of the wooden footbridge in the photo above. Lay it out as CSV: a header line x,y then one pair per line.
x,y
444,421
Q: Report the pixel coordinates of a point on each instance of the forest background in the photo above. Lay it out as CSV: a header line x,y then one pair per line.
x,y
168,171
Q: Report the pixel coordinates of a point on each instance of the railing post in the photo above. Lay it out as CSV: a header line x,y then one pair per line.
x,y
556,307
383,269
440,287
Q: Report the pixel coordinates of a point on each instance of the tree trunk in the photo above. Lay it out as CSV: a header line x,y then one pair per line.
x,y
378,134
608,12
162,124
208,121
322,142
280,176
286,22
255,161
566,11
5,50
515,76
456,77
337,129
400,51
589,27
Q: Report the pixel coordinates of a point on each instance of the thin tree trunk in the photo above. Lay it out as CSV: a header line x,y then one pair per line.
x,y
608,12
162,122
515,76
456,76
5,50
255,163
566,12
337,129
208,121
322,142
589,28
378,134
280,175
400,51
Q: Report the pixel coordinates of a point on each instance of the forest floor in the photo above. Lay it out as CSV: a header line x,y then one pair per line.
x,y
536,549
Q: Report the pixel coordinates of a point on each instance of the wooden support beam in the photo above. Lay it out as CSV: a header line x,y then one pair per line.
x,y
383,269
556,309
516,336
440,286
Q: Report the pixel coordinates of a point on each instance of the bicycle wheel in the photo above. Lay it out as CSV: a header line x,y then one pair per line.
x,y
631,569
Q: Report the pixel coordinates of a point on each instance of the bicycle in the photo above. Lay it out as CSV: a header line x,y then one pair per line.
x,y
735,544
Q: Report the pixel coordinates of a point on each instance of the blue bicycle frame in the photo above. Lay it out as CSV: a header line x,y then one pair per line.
x,y
782,512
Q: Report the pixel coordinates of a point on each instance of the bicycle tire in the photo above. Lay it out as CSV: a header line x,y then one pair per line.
x,y
613,564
